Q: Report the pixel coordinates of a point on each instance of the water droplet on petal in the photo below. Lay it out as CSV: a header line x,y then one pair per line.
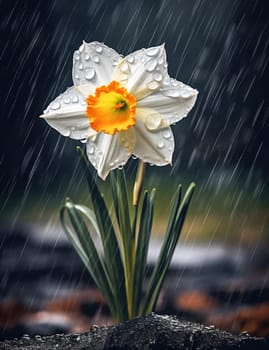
x,y
158,76
111,164
80,66
153,85
91,150
134,157
151,65
171,93
87,56
83,103
160,60
124,67
153,51
96,59
166,81
55,105
130,58
83,140
66,99
99,49
120,167
114,62
167,135
89,73
160,144
77,76
65,132
74,98
153,121
77,56
188,88
186,94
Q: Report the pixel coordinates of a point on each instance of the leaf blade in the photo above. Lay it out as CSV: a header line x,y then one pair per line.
x,y
87,251
112,253
145,226
175,224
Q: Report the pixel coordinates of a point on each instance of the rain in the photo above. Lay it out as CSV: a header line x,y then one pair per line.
x,y
219,48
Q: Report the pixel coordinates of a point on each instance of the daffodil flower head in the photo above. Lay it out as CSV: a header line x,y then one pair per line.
x,y
121,106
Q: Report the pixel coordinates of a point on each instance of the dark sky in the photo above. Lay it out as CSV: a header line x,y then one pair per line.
x,y
219,47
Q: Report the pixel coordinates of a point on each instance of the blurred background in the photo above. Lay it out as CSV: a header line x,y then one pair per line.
x,y
218,47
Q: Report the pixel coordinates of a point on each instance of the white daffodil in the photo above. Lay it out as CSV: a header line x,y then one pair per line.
x,y
121,106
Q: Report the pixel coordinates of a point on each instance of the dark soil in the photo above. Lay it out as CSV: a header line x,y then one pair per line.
x,y
152,332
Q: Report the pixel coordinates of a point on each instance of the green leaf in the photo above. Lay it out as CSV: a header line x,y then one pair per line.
x,y
113,259
82,241
175,224
114,188
121,202
90,215
145,226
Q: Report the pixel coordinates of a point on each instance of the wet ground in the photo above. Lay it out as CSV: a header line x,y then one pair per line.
x,y
45,290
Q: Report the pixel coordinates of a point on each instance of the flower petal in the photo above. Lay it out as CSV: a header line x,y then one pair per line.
x,y
173,101
93,65
106,152
127,139
143,71
154,147
151,118
67,115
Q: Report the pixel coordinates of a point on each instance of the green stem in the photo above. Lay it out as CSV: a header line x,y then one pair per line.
x,y
138,182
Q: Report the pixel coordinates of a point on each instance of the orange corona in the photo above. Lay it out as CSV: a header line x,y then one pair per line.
x,y
111,109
